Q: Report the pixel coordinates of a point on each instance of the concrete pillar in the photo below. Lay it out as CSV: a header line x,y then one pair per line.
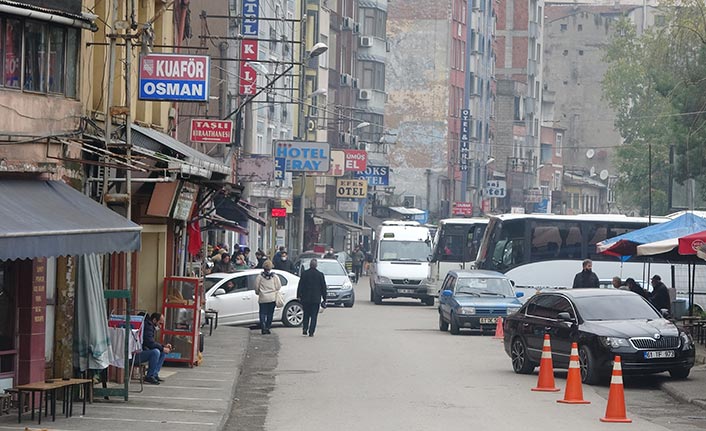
x,y
64,322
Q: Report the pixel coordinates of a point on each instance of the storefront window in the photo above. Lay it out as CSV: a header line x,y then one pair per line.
x,y
12,32
35,57
57,49
7,324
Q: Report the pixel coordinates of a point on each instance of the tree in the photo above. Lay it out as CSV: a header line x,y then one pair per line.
x,y
656,83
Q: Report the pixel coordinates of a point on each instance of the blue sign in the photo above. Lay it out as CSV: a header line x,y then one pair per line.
x,y
421,218
376,175
251,11
279,167
174,77
304,156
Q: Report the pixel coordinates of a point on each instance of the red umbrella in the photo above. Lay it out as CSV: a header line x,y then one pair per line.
x,y
690,244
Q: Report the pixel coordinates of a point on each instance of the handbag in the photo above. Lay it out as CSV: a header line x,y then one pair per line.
x,y
279,300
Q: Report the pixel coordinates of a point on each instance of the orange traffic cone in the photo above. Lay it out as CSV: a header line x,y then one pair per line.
x,y
574,392
615,411
499,333
545,383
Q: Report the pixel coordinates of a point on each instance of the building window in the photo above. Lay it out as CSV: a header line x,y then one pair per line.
x,y
39,57
7,325
374,22
580,51
563,27
580,27
372,75
558,144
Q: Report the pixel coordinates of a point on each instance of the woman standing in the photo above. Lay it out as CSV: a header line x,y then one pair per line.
x,y
267,285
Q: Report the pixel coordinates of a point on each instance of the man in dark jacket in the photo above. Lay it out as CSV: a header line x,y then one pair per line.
x,y
152,351
660,294
586,278
284,264
311,292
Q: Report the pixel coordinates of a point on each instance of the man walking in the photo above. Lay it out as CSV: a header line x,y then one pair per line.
x,y
586,278
358,258
311,292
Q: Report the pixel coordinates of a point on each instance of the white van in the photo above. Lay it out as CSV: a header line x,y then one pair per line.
x,y
401,265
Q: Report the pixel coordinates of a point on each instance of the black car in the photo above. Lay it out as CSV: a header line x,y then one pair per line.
x,y
604,323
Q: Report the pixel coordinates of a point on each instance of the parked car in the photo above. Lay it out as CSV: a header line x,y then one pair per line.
x,y
338,281
604,323
475,300
233,296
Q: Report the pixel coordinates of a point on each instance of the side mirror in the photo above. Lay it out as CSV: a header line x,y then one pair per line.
x,y
219,291
519,294
665,313
447,293
565,317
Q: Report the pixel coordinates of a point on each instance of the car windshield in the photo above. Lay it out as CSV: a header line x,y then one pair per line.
x,y
484,286
330,268
418,251
625,307
209,282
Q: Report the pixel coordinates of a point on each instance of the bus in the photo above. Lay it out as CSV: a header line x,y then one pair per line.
x,y
400,267
456,245
538,251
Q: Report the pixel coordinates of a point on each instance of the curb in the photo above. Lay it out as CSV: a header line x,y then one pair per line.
x,y
226,415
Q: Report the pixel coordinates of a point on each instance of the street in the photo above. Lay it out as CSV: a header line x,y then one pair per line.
x,y
388,367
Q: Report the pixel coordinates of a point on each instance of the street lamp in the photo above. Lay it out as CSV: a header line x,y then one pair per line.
x,y
361,125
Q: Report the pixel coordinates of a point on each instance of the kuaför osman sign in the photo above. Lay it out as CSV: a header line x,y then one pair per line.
x,y
174,77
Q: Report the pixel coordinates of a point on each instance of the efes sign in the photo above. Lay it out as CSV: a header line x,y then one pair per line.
x,y
174,77
352,189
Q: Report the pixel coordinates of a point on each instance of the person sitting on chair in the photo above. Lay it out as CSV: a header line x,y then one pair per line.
x,y
153,352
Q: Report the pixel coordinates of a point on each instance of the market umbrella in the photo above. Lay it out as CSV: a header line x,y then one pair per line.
x,y
691,244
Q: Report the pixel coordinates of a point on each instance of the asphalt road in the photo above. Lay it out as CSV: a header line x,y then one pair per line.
x,y
388,367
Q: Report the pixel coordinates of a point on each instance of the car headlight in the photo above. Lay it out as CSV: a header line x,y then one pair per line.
x,y
615,342
382,280
347,285
511,310
686,341
467,310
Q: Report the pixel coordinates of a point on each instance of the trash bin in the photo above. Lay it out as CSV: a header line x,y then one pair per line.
x,y
679,308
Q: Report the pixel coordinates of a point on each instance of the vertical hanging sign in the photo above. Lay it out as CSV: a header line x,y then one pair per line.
x,y
248,47
464,148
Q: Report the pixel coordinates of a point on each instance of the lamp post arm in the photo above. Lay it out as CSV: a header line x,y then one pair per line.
x,y
250,99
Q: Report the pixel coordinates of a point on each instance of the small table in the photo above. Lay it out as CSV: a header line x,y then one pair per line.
x,y
51,386
210,316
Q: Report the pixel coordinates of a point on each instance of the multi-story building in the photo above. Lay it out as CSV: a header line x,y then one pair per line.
x,y
425,79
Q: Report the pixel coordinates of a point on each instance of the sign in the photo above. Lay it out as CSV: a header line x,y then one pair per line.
x,y
347,206
249,46
287,205
338,162
302,156
351,189
533,196
462,208
279,168
185,201
495,189
356,160
278,212
174,77
376,175
256,168
211,131
464,145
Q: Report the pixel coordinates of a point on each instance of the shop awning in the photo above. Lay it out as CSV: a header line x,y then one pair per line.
x,y
236,211
336,219
49,218
407,211
188,160
372,222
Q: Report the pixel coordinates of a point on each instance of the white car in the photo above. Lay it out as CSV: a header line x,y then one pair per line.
x,y
338,281
233,296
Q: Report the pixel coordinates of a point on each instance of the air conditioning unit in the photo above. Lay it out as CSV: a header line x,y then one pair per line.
x,y
366,41
364,94
409,201
346,80
354,83
347,23
345,138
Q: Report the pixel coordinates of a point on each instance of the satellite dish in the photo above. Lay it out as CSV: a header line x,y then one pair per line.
x,y
590,153
604,174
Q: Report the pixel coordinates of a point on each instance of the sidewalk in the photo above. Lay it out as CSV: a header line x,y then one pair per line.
x,y
692,390
197,398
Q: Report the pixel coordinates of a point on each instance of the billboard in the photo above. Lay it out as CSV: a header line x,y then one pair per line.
x,y
376,175
351,189
303,156
356,160
174,77
256,168
462,208
211,131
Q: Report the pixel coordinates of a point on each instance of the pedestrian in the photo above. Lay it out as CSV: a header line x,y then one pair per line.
x,y
284,263
358,258
586,278
239,260
312,294
153,352
246,255
617,282
278,255
224,265
267,284
660,294
330,254
261,258
632,286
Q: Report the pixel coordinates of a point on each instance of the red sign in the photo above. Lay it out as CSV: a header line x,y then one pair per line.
x,y
248,76
278,212
211,131
462,208
356,160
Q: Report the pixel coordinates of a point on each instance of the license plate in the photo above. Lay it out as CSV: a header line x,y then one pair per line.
x,y
332,294
488,320
658,354
406,290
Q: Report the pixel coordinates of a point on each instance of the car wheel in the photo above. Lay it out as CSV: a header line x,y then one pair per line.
x,y
348,304
428,301
521,364
372,294
679,373
377,299
455,330
587,362
443,324
293,314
